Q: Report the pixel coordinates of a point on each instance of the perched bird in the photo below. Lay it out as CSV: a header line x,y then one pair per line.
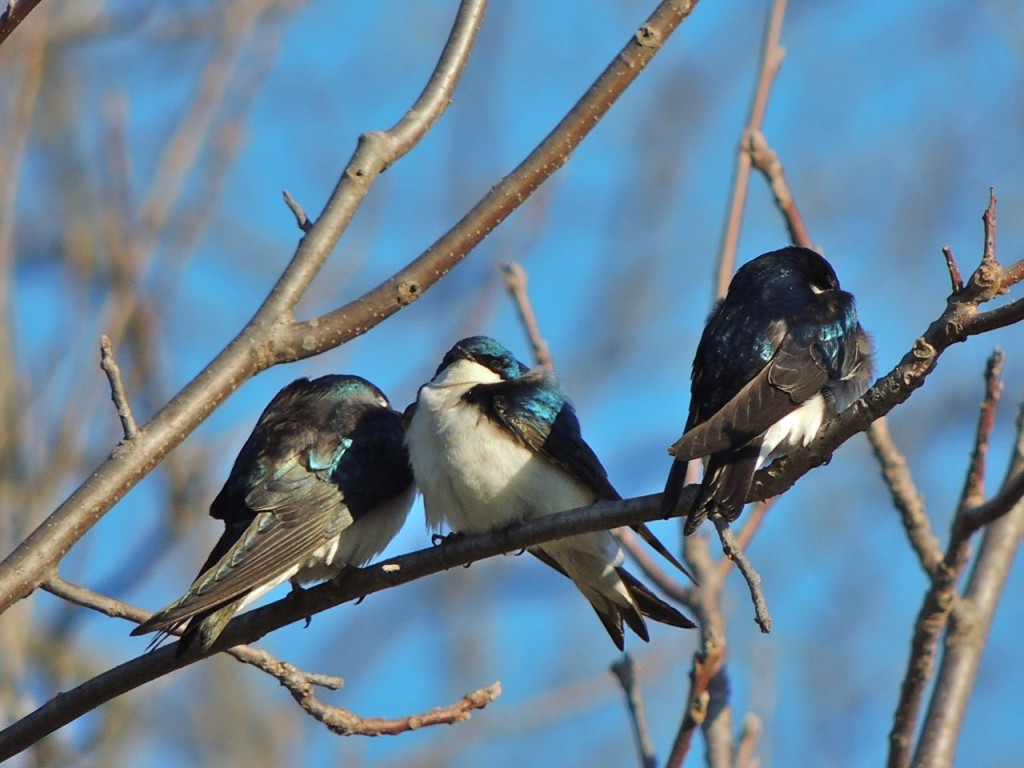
x,y
780,354
323,482
492,443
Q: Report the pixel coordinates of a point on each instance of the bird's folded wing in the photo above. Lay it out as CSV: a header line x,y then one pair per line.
x,y
279,538
545,422
792,376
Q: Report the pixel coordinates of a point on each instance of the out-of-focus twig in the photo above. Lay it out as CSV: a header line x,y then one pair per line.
x,y
765,159
624,670
772,54
905,496
515,283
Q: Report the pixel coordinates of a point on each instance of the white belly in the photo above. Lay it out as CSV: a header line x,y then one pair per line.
x,y
471,473
795,429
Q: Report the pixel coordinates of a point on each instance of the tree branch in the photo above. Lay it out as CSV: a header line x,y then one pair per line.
x,y
905,497
117,393
515,283
771,59
624,670
970,624
13,15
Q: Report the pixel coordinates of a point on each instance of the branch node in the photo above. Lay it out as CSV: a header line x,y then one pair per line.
x,y
297,211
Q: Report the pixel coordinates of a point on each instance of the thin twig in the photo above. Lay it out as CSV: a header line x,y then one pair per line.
x,y
299,683
110,367
905,497
955,278
771,59
297,211
734,552
624,670
515,283
974,486
765,159
751,525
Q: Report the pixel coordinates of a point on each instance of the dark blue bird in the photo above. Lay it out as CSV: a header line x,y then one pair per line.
x,y
323,482
780,354
492,443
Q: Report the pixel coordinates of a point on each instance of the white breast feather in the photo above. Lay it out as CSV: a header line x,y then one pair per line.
x,y
471,473
792,430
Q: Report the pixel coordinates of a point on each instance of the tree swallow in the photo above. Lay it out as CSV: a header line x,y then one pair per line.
x,y
780,354
323,482
492,443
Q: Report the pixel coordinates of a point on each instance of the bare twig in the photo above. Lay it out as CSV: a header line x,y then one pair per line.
x,y
765,159
624,670
955,279
905,496
299,683
110,367
297,211
771,59
734,552
974,486
751,525
515,283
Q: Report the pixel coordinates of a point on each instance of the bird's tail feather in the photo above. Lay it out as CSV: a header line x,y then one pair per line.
x,y
617,596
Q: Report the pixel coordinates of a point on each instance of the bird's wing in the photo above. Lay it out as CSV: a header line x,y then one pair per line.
x,y
540,418
297,511
795,374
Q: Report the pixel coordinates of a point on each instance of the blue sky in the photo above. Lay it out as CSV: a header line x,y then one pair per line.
x,y
892,120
